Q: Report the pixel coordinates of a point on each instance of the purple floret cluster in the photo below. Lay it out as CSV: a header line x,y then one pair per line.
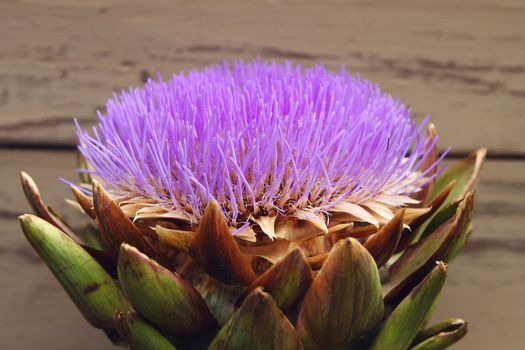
x,y
257,137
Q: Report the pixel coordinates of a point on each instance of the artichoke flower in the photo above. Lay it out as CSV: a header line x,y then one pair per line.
x,y
264,206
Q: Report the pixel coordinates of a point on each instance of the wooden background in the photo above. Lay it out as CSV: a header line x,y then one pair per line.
x,y
463,62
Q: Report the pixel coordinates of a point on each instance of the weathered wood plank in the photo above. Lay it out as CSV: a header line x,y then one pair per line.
x,y
485,283
462,62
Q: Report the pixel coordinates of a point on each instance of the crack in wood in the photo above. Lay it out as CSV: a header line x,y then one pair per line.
x,y
48,122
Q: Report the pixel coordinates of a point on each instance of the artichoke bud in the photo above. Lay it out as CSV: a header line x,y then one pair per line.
x,y
261,206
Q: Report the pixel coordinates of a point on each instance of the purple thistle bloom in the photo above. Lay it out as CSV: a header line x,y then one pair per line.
x,y
259,138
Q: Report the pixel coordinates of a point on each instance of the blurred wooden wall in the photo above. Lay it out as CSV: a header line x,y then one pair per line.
x,y
462,62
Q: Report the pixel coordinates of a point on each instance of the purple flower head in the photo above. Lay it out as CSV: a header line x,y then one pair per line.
x,y
260,139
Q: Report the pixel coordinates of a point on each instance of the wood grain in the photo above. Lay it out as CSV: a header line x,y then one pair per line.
x,y
485,284
463,62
